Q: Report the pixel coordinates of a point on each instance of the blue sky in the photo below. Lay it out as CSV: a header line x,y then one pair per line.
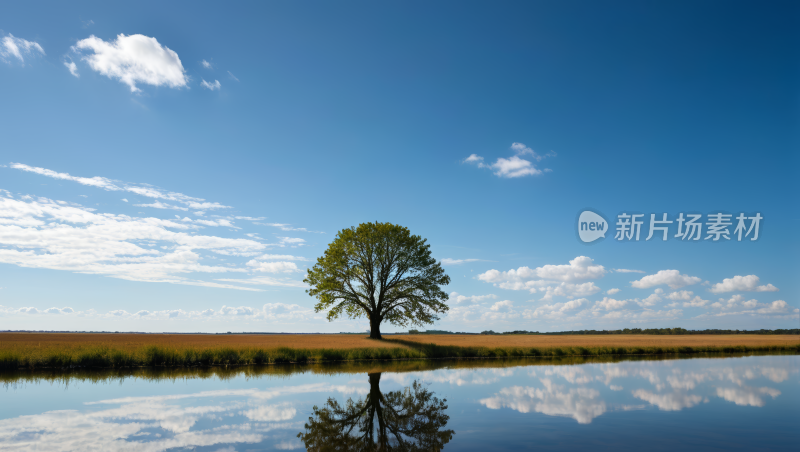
x,y
177,167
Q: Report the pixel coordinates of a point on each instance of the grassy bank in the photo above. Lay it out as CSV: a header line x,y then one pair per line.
x,y
65,377
110,356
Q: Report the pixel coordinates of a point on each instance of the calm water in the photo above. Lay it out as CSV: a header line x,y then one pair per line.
x,y
744,403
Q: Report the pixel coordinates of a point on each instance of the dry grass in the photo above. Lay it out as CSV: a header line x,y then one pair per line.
x,y
32,341
54,350
627,340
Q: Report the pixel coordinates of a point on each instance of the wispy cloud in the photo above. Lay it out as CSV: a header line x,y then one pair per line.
x,y
287,227
18,48
212,86
249,218
448,261
161,205
73,68
139,189
43,233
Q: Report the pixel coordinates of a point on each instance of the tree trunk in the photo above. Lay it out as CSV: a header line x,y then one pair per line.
x,y
375,329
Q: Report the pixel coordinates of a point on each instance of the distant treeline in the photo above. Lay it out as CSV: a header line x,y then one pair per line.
x,y
659,331
438,332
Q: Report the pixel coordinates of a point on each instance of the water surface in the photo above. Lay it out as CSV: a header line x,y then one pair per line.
x,y
734,403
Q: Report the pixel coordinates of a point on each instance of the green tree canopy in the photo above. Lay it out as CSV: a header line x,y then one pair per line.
x,y
381,271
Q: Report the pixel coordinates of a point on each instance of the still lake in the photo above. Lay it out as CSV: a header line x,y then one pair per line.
x,y
723,403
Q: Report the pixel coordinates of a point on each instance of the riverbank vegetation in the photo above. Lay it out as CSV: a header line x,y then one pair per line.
x,y
38,350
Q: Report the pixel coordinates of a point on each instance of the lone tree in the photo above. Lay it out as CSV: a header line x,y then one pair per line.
x,y
381,271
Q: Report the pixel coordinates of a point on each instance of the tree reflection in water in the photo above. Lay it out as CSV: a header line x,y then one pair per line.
x,y
407,420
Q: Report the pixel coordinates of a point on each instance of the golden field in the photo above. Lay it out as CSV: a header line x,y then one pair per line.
x,y
348,341
201,341
89,350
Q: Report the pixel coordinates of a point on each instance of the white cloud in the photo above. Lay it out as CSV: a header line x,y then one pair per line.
x,y
612,291
747,283
566,290
212,86
503,306
161,205
249,218
513,166
284,257
241,310
11,46
671,278
556,310
448,261
734,302
43,233
501,311
54,310
220,222
521,149
282,311
560,280
681,295
73,68
206,64
473,158
651,300
286,227
776,307
456,298
269,312
645,316
580,268
272,267
134,59
233,76
266,281
625,270
610,304
291,241
696,302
